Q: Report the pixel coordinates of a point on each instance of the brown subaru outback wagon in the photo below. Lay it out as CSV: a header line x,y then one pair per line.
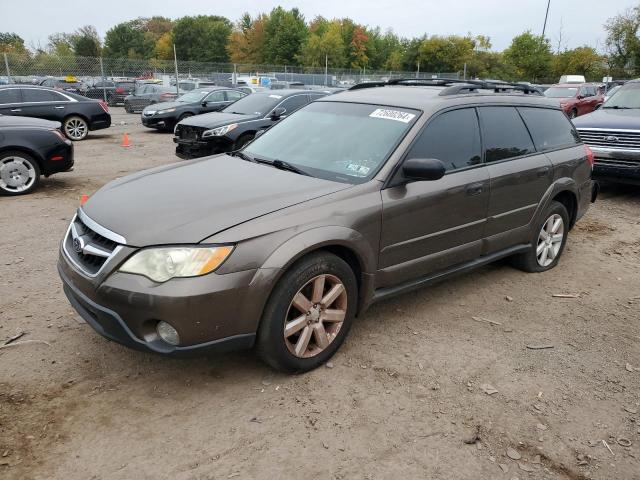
x,y
355,197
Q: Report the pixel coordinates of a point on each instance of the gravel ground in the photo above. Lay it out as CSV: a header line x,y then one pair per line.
x,y
416,378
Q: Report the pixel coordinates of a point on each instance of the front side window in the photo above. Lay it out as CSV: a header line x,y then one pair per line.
x,y
549,128
452,137
505,135
9,95
233,95
215,97
292,104
194,96
344,142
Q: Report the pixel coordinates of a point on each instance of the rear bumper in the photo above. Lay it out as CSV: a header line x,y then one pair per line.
x,y
100,121
53,163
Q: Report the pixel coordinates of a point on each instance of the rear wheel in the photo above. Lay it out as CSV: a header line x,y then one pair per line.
x,y
19,173
75,128
548,242
309,314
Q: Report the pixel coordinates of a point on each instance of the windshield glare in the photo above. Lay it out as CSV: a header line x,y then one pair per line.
x,y
255,104
192,97
343,142
561,92
628,96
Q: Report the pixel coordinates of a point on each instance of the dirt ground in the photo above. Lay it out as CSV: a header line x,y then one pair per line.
x,y
552,382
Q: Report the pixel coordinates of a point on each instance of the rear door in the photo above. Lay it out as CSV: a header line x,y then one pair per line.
x,y
519,175
428,226
10,101
41,103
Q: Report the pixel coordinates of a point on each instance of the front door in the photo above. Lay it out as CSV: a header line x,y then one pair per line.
x,y
428,226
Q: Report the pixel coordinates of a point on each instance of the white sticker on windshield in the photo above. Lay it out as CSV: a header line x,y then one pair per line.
x,y
396,115
357,170
275,96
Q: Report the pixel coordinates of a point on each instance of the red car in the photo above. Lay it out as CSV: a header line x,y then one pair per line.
x,y
576,98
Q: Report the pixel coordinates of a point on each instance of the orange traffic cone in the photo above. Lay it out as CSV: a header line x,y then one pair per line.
x,y
125,140
83,199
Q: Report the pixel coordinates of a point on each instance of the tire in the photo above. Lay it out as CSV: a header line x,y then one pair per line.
x,y
19,173
243,140
535,260
127,108
292,354
75,128
185,115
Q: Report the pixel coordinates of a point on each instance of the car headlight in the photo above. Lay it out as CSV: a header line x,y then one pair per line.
x,y
166,110
162,264
220,131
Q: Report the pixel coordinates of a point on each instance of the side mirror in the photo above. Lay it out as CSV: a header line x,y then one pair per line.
x,y
204,104
420,169
580,97
277,113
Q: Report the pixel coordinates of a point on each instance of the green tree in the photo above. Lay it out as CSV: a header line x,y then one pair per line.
x,y
247,41
285,33
125,40
326,45
623,44
202,38
60,45
582,60
85,42
530,55
12,43
445,54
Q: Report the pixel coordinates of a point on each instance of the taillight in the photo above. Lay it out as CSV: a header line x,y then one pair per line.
x,y
590,155
119,90
59,134
104,106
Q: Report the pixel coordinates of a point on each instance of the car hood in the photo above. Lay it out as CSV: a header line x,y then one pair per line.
x,y
217,119
15,121
188,202
610,118
164,105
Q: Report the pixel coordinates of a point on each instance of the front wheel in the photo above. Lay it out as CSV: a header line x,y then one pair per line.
x,y
309,314
19,173
75,128
548,242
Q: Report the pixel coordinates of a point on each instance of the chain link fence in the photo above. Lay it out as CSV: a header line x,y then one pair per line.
x,y
34,69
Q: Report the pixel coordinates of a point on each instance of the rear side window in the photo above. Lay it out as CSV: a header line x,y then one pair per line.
x,y
452,137
505,135
36,95
550,129
9,95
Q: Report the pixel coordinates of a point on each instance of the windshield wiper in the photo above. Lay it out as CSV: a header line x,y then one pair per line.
x,y
243,156
282,165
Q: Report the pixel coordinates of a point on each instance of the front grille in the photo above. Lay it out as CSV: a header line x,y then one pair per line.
x,y
610,138
189,132
86,248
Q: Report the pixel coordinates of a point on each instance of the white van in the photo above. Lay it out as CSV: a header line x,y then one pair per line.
x,y
572,79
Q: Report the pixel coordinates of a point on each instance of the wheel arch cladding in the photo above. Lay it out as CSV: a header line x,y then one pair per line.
x,y
570,202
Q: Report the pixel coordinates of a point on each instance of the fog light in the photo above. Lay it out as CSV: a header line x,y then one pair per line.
x,y
168,333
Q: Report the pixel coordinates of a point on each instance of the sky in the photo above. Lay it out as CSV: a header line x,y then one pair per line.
x,y
581,20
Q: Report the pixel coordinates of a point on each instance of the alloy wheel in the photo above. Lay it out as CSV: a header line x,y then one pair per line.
x,y
550,240
17,174
315,316
75,128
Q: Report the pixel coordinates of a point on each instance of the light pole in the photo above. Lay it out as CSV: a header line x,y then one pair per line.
x,y
544,27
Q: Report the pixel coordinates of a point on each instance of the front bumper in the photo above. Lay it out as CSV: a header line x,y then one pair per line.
x,y
211,313
198,148
616,165
157,121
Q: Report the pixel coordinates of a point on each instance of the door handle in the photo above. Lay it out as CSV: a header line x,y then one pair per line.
x,y
542,172
16,110
59,108
474,189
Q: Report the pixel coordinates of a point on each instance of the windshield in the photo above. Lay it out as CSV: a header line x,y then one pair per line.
x,y
561,92
628,96
193,97
255,104
344,142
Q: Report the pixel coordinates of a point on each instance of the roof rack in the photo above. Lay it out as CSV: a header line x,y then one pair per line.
x,y
455,86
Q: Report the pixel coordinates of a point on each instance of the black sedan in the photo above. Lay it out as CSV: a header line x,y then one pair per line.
x,y
236,125
77,114
165,115
29,148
